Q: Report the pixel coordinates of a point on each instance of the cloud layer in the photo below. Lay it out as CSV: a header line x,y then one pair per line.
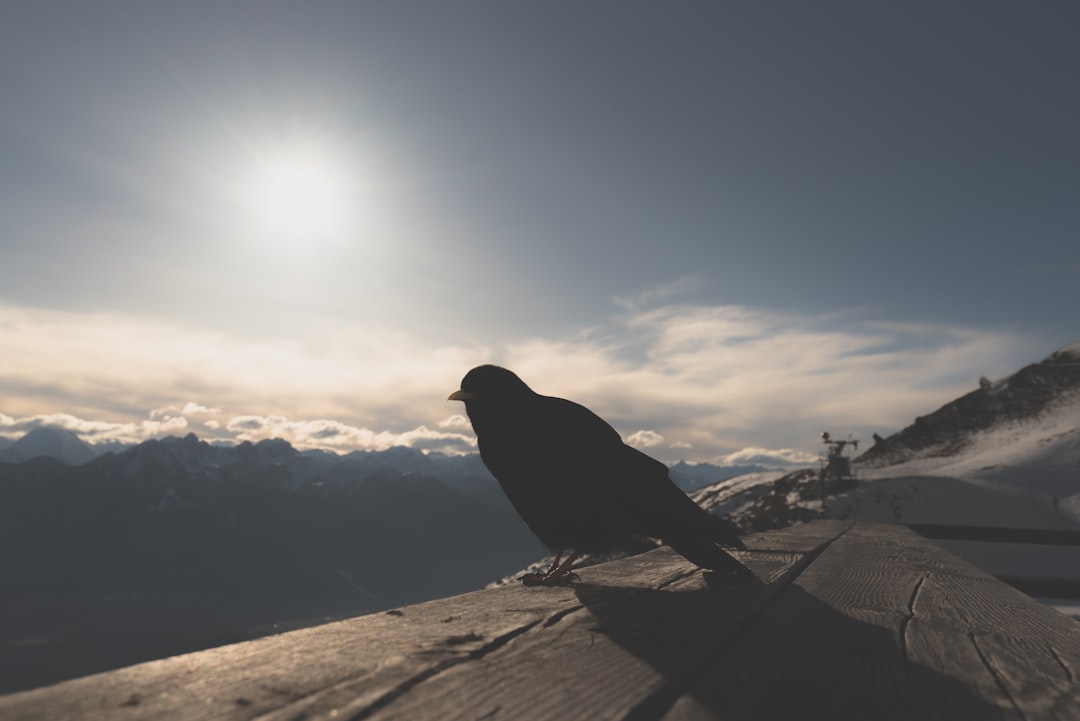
x,y
706,383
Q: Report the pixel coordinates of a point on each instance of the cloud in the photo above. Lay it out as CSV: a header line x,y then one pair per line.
x,y
455,421
701,378
723,377
303,434
108,365
767,457
644,439
94,431
194,409
665,291
337,436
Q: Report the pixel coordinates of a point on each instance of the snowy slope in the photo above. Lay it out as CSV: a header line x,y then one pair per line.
x,y
1028,464
1023,474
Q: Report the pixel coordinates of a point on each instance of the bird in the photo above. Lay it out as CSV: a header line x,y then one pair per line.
x,y
577,486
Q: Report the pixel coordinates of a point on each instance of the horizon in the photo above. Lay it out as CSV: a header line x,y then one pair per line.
x,y
723,229
114,446
420,440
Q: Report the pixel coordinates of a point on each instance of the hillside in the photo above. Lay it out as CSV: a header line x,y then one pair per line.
x,y
1019,436
1040,390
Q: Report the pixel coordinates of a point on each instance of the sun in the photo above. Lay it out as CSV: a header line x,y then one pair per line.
x,y
299,194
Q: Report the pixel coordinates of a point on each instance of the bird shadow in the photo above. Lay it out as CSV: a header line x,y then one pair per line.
x,y
755,651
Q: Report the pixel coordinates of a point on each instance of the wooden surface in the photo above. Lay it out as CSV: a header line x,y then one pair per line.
x,y
851,621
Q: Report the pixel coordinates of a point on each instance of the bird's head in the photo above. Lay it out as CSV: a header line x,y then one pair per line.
x,y
490,385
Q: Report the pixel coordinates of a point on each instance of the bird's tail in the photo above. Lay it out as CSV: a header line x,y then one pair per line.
x,y
706,553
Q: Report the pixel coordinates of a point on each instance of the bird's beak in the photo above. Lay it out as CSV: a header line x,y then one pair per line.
x,y
461,396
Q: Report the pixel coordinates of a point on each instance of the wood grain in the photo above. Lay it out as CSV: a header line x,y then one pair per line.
x,y
883,625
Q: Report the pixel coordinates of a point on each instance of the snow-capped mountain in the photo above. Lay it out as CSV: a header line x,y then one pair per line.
x,y
276,460
1041,390
1019,436
53,442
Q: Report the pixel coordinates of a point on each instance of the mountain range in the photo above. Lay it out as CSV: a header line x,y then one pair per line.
x,y
177,544
467,473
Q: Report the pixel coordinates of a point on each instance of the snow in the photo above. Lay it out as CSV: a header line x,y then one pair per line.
x,y
944,500
734,494
1030,462
1068,352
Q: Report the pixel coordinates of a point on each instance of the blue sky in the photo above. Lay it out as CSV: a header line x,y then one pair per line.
x,y
724,226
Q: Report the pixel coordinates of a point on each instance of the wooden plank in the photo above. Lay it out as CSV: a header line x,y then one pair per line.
x,y
884,625
573,666
493,649
361,658
602,662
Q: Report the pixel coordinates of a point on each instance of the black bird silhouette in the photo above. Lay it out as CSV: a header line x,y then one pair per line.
x,y
576,484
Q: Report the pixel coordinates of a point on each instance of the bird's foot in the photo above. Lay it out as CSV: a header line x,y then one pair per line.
x,y
558,575
551,578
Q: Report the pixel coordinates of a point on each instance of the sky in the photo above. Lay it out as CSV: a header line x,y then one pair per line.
x,y
724,226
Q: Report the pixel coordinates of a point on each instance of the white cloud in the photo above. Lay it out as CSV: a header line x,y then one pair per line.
x,y
303,434
767,457
707,378
337,436
663,292
644,439
94,431
96,365
194,409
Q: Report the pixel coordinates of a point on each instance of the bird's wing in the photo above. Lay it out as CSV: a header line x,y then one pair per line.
x,y
664,509
604,473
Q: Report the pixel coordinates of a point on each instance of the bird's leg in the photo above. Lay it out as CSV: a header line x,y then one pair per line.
x,y
537,579
558,575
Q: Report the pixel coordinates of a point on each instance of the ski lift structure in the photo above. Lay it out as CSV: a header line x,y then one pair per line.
x,y
836,465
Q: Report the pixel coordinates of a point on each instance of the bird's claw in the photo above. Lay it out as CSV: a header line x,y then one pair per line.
x,y
566,578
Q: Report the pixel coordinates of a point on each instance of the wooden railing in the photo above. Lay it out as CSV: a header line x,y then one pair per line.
x,y
847,621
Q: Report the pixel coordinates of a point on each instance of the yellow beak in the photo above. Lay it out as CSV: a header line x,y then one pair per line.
x,y
461,396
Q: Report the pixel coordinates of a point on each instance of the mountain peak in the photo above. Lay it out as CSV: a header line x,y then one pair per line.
x,y
49,441
1068,353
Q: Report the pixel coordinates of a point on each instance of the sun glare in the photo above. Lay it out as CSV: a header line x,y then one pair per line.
x,y
299,195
